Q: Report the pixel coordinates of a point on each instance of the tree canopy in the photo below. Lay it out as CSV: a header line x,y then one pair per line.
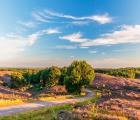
x,y
79,74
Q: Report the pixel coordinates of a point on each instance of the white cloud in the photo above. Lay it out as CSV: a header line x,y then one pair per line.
x,y
92,51
80,23
127,34
35,36
102,19
39,18
66,47
12,44
48,16
84,47
52,31
75,37
29,24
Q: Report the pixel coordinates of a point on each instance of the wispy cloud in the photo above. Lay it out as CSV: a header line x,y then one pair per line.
x,y
40,18
12,44
66,47
84,47
102,19
50,16
80,23
52,31
92,51
35,36
127,34
28,24
75,37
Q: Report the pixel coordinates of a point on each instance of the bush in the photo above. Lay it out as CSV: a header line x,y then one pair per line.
x,y
120,72
32,77
17,80
79,75
63,75
51,76
137,75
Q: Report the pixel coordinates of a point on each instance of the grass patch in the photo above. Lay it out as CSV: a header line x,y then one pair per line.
x,y
43,98
4,103
46,113
55,98
90,100
41,114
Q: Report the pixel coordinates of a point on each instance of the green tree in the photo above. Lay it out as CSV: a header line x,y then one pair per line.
x,y
63,75
44,77
79,75
17,80
51,76
33,78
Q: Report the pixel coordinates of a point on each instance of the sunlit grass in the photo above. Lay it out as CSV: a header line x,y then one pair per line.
x,y
4,103
56,98
15,100
41,114
49,113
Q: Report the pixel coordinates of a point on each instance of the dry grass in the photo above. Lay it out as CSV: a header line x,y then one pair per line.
x,y
120,96
11,99
2,73
53,97
120,100
4,103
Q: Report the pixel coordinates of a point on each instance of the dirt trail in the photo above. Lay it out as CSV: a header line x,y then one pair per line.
x,y
36,105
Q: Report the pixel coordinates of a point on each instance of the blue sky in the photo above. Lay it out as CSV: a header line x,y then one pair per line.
x,y
39,33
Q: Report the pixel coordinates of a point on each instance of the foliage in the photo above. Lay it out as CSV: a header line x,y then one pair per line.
x,y
63,75
17,80
79,74
137,75
51,76
32,76
120,72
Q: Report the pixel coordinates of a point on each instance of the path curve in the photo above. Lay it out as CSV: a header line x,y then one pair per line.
x,y
33,106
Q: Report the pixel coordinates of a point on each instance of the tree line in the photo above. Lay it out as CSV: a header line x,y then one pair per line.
x,y
121,72
74,77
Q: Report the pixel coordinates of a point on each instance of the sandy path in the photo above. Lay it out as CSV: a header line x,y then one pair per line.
x,y
36,105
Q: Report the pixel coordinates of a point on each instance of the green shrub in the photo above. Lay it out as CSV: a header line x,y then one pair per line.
x,y
51,76
63,75
137,75
79,75
120,72
32,77
17,80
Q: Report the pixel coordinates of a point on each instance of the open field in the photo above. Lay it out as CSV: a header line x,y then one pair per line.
x,y
120,100
69,60
120,96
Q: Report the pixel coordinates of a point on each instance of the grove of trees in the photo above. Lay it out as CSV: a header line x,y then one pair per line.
x,y
120,72
74,77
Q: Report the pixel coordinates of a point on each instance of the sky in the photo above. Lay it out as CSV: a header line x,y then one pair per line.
x,y
41,33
